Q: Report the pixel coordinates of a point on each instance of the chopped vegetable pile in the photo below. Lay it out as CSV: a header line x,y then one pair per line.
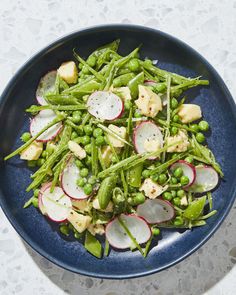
x,y
118,151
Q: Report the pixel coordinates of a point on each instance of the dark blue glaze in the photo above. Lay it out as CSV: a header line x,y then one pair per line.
x,y
218,108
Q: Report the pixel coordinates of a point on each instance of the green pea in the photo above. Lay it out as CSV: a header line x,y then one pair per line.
x,y
180,193
77,235
178,221
64,229
44,154
50,148
176,118
36,192
203,125
174,130
174,103
80,182
25,136
194,127
176,201
131,201
156,231
32,163
85,140
174,193
76,117
128,105
88,129
88,148
178,172
40,162
139,198
78,163
137,114
173,180
133,65
114,159
35,202
88,189
155,177
200,137
88,160
100,140
84,172
97,132
184,180
189,159
146,173
91,61
85,70
74,135
167,196
80,66
148,62
92,179
162,178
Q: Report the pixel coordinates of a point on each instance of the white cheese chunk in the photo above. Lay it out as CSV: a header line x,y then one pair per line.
x,y
182,144
96,229
76,149
152,145
81,205
120,131
124,93
68,72
148,102
189,113
108,209
151,189
32,152
79,221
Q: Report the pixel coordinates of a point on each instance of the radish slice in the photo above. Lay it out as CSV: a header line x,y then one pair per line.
x,y
105,105
188,170
206,179
117,236
55,205
156,211
150,83
42,119
69,178
46,84
146,131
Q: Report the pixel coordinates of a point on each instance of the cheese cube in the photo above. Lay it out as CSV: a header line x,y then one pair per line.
x,y
124,93
189,113
108,209
68,72
79,221
151,189
32,152
182,144
76,149
120,131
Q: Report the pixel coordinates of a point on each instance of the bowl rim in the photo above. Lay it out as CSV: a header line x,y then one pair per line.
x,y
51,46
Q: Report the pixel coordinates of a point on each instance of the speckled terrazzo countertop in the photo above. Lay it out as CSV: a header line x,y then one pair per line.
x,y
209,27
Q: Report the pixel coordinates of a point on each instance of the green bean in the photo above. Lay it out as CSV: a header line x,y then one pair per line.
x,y
123,80
61,99
134,175
57,170
86,88
110,75
94,155
57,84
92,245
101,160
133,84
107,247
28,203
24,146
105,191
123,71
178,89
62,84
125,59
146,250
35,108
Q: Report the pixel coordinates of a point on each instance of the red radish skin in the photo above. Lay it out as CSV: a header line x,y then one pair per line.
x,y
152,210
150,83
147,133
69,177
206,180
46,84
56,205
105,105
142,237
188,170
43,118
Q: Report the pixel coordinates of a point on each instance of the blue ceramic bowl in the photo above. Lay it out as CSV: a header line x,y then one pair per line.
x,y
218,108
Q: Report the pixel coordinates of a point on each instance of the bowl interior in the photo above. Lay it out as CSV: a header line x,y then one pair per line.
x,y
218,109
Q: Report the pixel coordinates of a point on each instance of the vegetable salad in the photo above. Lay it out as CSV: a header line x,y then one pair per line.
x,y
118,151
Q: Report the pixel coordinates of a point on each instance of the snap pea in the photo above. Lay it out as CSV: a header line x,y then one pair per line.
x,y
194,209
94,155
133,84
86,88
123,80
134,175
105,191
34,109
61,99
119,200
92,245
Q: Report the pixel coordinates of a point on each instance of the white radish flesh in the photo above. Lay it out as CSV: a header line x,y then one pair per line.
x,y
105,105
56,205
146,131
69,177
206,179
188,170
117,236
46,85
156,211
41,120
